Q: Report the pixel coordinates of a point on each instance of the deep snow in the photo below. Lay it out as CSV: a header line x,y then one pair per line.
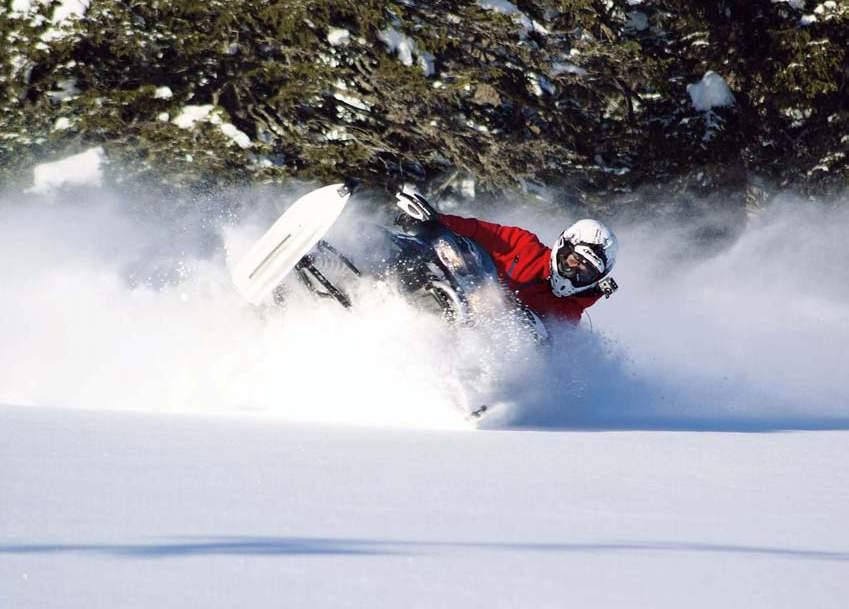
x,y
105,509
121,304
163,445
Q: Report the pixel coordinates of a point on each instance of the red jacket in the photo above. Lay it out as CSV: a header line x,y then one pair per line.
x,y
523,264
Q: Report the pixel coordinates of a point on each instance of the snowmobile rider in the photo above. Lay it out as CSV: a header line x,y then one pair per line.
x,y
557,282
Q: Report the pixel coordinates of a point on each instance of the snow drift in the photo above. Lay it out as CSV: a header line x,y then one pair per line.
x,y
114,305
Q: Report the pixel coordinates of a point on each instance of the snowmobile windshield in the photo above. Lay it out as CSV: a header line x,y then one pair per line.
x,y
575,267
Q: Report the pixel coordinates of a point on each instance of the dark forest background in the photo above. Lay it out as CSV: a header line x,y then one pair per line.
x,y
588,98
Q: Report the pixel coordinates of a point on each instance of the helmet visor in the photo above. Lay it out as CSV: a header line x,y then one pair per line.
x,y
575,267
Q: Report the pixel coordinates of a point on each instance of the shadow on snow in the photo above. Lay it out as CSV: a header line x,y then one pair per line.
x,y
304,546
599,391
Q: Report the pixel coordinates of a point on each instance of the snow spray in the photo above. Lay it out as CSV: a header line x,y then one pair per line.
x,y
111,305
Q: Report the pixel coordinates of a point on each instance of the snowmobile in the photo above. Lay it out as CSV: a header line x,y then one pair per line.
x,y
433,266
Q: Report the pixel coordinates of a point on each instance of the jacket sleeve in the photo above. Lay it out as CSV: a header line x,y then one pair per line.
x,y
493,237
569,311
572,308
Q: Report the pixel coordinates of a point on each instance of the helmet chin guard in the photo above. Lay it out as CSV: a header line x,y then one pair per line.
x,y
595,242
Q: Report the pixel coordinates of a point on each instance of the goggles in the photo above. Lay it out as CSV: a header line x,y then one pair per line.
x,y
575,264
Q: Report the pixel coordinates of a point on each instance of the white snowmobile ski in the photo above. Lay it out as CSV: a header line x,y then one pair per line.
x,y
290,238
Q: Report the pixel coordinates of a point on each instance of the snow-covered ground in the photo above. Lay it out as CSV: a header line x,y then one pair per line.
x,y
104,510
163,445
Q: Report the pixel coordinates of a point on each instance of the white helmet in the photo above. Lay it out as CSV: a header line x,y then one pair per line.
x,y
582,256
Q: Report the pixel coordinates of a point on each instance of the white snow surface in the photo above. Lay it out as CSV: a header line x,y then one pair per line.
x,y
70,9
338,36
104,510
64,12
406,48
83,169
163,93
62,123
241,138
797,4
164,445
565,67
191,115
508,8
67,89
65,9
710,92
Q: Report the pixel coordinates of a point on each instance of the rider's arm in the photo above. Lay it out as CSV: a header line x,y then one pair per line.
x,y
492,237
568,310
572,308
